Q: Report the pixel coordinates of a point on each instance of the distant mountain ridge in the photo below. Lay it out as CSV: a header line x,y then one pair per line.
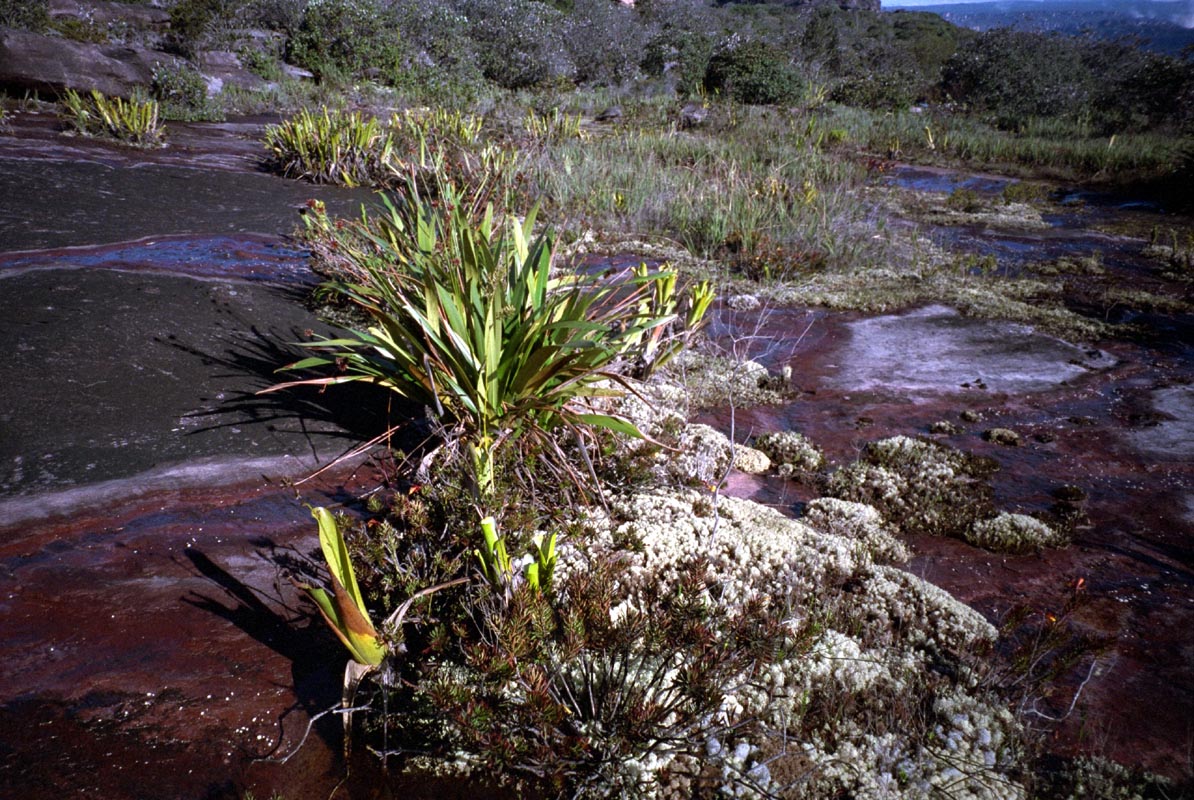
x,y
1166,25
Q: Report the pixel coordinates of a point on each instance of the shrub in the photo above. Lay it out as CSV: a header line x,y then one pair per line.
x,y
182,92
754,73
1014,75
681,42
605,41
30,15
439,59
340,40
519,43
193,22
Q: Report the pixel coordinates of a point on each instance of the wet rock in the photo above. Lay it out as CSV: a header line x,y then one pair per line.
x,y
163,371
1172,435
33,62
1003,436
951,350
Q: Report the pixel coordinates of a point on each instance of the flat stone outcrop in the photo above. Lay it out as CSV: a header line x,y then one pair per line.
x,y
34,62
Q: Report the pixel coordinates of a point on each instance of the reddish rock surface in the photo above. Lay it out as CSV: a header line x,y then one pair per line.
x,y
1129,570
152,647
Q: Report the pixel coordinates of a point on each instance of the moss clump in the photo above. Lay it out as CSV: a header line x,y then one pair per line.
x,y
918,486
791,452
1014,533
750,460
872,682
712,380
859,522
1086,778
1003,436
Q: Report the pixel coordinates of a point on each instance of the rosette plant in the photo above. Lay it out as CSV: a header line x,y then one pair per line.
x,y
469,319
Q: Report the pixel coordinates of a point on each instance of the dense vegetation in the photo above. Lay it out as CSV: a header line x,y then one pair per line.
x,y
549,592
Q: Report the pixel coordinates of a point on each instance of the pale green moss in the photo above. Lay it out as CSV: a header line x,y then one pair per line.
x,y
791,450
1014,533
865,707
713,380
856,521
750,460
919,486
1003,436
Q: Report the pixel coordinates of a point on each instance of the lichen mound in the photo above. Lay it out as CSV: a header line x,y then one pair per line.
x,y
877,694
1014,533
918,486
791,452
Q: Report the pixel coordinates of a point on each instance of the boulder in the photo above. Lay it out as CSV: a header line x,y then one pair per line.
x,y
224,68
693,115
33,62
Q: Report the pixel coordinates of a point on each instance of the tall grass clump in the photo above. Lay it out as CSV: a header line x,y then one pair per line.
x,y
131,121
764,187
332,147
1065,148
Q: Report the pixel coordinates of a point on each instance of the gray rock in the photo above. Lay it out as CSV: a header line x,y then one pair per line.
x,y
33,62
105,13
222,68
693,115
610,114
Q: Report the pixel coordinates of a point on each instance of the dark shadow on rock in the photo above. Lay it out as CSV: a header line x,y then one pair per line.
x,y
312,650
357,411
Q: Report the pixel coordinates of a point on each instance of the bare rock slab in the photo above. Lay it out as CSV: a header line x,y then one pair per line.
x,y
935,350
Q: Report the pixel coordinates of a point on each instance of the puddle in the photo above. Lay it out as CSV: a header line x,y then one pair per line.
x,y
1172,436
932,179
88,203
935,350
246,257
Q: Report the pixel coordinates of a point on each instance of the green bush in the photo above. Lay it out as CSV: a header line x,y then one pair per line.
x,y
182,92
193,23
681,43
605,41
30,15
439,59
519,43
1011,76
339,40
754,73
